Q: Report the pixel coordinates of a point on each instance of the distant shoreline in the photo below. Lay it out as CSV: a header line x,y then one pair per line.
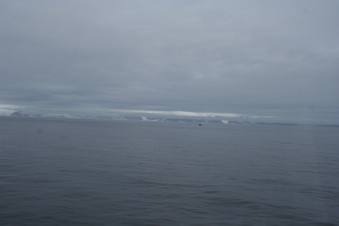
x,y
168,120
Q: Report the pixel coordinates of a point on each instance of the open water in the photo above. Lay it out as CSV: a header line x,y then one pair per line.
x,y
68,172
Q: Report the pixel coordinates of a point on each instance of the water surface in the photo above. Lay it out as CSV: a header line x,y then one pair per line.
x,y
68,172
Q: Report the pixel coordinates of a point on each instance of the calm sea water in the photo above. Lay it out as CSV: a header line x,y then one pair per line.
x,y
63,172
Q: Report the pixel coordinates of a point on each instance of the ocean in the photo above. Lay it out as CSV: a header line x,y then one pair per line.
x,y
78,172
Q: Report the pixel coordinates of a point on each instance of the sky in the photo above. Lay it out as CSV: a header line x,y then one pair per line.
x,y
268,58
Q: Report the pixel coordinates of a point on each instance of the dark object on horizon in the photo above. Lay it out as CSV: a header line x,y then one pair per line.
x,y
199,124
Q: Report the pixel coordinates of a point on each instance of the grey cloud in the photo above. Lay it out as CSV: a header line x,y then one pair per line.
x,y
224,56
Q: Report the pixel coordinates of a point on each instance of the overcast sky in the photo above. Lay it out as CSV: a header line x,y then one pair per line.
x,y
263,57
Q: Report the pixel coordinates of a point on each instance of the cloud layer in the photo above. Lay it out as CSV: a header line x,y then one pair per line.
x,y
248,57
